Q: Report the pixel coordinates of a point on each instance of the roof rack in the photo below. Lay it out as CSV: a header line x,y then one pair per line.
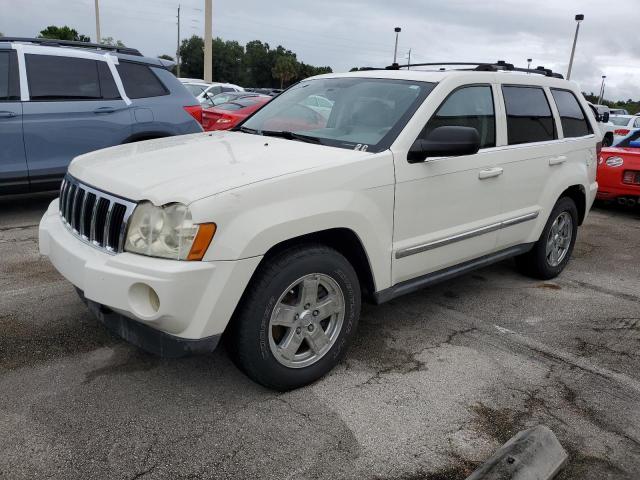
x,y
500,65
54,42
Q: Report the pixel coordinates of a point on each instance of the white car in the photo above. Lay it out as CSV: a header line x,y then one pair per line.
x,y
204,91
602,115
274,233
623,125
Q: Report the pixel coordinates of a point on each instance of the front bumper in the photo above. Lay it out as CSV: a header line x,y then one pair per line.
x,y
186,300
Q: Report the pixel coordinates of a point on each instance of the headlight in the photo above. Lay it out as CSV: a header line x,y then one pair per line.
x,y
614,162
167,232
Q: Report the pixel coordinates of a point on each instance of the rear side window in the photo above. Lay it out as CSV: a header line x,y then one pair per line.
x,y
53,77
9,86
139,81
574,121
529,117
62,78
467,107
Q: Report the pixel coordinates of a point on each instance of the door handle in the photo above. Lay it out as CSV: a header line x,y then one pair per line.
x,y
104,110
557,160
8,114
490,172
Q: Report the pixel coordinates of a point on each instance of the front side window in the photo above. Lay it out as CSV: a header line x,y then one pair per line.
x,y
139,81
529,117
467,107
574,121
9,86
361,113
62,78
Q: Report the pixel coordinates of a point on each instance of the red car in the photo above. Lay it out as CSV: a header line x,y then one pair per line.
x,y
619,171
228,115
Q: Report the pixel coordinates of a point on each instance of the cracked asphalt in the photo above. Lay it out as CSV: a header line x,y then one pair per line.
x,y
434,384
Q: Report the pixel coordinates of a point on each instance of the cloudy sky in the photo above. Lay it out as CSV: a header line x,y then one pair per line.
x,y
347,33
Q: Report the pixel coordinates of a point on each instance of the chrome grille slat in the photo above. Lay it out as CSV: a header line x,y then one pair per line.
x,y
96,217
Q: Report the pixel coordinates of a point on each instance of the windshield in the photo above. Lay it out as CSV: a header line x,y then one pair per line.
x,y
194,89
619,121
362,113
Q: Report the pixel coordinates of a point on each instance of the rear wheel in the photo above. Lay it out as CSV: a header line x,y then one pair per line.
x,y
552,251
297,317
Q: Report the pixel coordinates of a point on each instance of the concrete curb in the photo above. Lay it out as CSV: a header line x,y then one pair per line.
x,y
533,454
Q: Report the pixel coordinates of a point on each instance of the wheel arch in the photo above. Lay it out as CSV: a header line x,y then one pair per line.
x,y
578,194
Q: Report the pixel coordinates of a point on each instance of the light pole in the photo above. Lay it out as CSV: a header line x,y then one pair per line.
x,y
99,40
601,90
579,18
208,56
529,60
395,51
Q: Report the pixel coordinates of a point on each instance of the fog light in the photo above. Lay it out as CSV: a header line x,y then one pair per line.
x,y
144,300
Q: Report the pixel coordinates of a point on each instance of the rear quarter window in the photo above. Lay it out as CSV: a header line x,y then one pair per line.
x,y
529,117
139,81
574,121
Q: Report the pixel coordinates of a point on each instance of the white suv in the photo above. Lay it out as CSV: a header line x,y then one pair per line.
x,y
273,233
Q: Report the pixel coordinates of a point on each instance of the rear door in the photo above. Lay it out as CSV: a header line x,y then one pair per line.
x,y
74,107
13,164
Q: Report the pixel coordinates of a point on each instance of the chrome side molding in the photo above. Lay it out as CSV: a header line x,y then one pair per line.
x,y
423,247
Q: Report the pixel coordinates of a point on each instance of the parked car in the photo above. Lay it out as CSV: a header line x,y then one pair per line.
x,y
272,92
320,104
225,97
274,236
204,91
62,99
618,111
619,171
624,125
228,115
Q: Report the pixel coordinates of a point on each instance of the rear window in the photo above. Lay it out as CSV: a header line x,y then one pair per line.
x,y
9,86
572,117
619,121
529,117
139,81
230,106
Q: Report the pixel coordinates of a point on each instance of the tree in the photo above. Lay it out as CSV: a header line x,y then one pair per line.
x,y
63,33
164,56
1,34
192,57
227,61
111,42
257,65
285,69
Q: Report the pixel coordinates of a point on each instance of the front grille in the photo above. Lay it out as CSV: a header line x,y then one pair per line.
x,y
94,216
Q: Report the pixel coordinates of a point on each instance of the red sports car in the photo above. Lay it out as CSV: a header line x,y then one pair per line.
x,y
619,171
228,115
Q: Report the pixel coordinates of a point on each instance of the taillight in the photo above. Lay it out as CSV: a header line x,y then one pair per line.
x,y
195,111
621,131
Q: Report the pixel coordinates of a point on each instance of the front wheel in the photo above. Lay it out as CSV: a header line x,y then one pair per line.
x,y
297,317
552,251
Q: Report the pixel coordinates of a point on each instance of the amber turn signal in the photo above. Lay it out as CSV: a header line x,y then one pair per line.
x,y
205,234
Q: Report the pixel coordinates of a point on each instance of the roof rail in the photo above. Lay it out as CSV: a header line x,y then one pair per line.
x,y
54,42
500,65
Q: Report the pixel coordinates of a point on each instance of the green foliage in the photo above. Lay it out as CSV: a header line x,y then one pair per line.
x,y
632,106
285,68
63,33
166,57
254,65
111,42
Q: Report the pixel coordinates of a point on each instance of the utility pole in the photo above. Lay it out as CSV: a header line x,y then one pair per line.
x,y
99,38
529,60
178,46
409,61
579,18
601,91
395,51
208,57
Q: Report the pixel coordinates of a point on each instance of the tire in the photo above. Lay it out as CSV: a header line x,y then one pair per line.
x,y
541,262
281,292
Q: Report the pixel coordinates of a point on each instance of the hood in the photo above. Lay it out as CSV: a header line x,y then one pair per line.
x,y
190,167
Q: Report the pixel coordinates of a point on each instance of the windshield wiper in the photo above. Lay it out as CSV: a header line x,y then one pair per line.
x,y
290,136
246,130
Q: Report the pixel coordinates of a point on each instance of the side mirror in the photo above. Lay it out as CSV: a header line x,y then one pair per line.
x,y
451,141
605,117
